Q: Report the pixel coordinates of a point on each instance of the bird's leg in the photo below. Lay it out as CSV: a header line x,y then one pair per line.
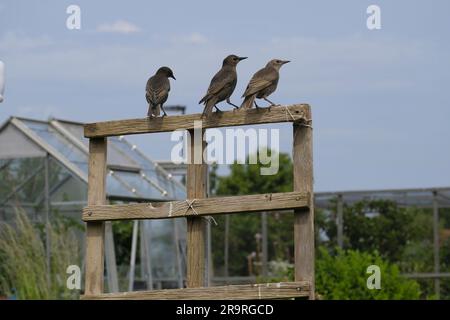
x,y
164,111
218,110
271,103
232,104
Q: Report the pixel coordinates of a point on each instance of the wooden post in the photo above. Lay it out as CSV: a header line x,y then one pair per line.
x,y
304,219
196,189
95,231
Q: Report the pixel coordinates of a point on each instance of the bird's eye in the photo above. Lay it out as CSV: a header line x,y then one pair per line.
x,y
278,61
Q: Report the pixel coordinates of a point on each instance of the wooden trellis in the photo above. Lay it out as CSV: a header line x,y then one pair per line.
x,y
300,200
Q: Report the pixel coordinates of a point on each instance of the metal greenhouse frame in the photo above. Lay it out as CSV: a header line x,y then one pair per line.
x,y
43,168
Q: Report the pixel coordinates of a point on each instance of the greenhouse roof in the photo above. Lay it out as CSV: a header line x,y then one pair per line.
x,y
131,174
419,197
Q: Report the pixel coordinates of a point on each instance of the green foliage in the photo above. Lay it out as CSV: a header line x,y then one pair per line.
x,y
395,232
402,237
23,267
344,277
246,179
123,233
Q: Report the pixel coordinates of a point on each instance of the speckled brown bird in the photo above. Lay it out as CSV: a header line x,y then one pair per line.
x,y
157,91
222,85
263,83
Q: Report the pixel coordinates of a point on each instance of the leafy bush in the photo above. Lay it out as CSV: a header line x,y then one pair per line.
x,y
344,277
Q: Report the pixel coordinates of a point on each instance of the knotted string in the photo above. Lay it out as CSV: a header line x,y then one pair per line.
x,y
191,206
303,122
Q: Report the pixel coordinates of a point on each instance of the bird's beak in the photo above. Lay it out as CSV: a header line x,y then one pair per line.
x,y
173,77
242,58
285,61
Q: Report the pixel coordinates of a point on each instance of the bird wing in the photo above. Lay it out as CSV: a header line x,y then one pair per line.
x,y
157,90
260,80
221,80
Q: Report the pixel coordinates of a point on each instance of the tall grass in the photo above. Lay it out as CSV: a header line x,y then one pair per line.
x,y
23,267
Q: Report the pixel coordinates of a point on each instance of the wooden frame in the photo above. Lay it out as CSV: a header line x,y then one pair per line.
x,y
198,205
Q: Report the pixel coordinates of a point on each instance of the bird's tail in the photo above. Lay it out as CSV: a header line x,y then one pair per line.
x,y
150,110
153,110
157,110
248,102
203,100
209,105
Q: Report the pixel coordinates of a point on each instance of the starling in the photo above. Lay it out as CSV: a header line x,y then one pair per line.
x,y
263,83
157,91
222,85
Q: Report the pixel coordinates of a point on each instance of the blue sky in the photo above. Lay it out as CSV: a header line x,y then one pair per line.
x,y
380,99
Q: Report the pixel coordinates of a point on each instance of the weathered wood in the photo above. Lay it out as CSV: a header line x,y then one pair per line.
x,y
196,178
304,218
207,206
95,231
186,122
242,292
97,211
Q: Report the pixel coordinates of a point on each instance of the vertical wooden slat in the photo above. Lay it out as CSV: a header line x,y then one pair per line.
x,y
196,189
304,219
95,231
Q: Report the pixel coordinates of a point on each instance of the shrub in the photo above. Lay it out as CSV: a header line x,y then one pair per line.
x,y
344,276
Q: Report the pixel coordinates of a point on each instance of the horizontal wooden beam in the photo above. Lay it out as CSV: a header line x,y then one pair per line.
x,y
235,292
201,207
241,117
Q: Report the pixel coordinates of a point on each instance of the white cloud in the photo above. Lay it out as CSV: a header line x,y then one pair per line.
x,y
120,26
12,41
194,38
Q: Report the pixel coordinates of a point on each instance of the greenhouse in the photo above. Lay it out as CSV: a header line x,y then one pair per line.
x,y
43,171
